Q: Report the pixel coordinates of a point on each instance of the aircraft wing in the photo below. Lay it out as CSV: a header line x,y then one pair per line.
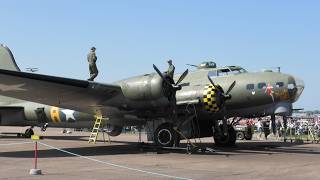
x,y
67,93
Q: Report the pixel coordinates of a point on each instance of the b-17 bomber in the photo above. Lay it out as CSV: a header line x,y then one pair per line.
x,y
193,104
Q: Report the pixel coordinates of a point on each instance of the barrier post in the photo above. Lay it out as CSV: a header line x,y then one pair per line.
x,y
35,171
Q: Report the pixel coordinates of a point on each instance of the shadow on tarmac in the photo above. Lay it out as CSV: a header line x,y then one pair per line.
x,y
242,148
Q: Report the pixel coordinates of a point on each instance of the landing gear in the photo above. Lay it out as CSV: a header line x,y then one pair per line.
x,y
29,132
113,130
166,136
225,140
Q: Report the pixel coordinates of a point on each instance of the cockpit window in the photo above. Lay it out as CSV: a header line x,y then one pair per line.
x,y
262,85
229,70
279,84
223,72
250,86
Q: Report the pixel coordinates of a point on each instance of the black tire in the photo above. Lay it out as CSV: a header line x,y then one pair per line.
x,y
28,133
226,141
164,135
113,130
240,135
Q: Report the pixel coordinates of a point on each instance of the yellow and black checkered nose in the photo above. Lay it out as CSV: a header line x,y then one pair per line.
x,y
209,98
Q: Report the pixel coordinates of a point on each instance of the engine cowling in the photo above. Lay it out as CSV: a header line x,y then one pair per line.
x,y
146,87
149,89
213,99
210,97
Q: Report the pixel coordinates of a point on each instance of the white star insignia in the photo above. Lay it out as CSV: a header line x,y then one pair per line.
x,y
16,87
69,114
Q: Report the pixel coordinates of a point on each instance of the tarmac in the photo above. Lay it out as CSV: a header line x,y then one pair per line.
x,y
69,156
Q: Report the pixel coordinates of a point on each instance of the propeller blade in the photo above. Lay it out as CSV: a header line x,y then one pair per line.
x,y
211,80
160,74
184,74
231,87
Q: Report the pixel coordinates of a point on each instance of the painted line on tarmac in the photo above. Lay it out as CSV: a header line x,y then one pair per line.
x,y
115,165
18,143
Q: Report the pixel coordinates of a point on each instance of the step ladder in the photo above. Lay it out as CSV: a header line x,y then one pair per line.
x,y
95,129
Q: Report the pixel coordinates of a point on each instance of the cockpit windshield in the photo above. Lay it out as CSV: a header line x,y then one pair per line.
x,y
230,70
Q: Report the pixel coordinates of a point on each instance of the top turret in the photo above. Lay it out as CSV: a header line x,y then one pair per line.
x,y
207,64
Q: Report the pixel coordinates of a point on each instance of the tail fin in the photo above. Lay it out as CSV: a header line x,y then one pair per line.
x,y
7,61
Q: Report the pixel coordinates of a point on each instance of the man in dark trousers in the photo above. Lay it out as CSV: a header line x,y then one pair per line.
x,y
266,128
92,59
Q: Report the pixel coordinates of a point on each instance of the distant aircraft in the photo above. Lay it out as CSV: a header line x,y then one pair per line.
x,y
191,105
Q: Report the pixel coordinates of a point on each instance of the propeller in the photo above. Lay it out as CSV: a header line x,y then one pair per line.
x,y
183,75
160,74
226,95
231,87
171,87
211,81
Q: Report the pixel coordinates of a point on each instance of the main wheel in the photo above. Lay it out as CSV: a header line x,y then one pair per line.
x,y
165,135
28,133
225,141
113,130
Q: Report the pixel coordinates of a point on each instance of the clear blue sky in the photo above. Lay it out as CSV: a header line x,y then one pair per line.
x,y
132,35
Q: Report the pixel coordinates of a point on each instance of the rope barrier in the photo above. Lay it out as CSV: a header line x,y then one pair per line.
x,y
114,165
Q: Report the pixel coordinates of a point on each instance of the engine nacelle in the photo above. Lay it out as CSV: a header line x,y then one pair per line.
x,y
147,91
209,96
147,87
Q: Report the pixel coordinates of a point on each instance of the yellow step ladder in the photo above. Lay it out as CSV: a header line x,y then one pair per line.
x,y
95,129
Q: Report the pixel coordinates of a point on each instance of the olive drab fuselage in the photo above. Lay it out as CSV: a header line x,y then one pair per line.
x,y
255,93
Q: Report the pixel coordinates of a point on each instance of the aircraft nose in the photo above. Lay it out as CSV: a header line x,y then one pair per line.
x,y
295,88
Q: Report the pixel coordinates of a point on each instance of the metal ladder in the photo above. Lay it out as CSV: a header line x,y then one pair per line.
x,y
95,129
